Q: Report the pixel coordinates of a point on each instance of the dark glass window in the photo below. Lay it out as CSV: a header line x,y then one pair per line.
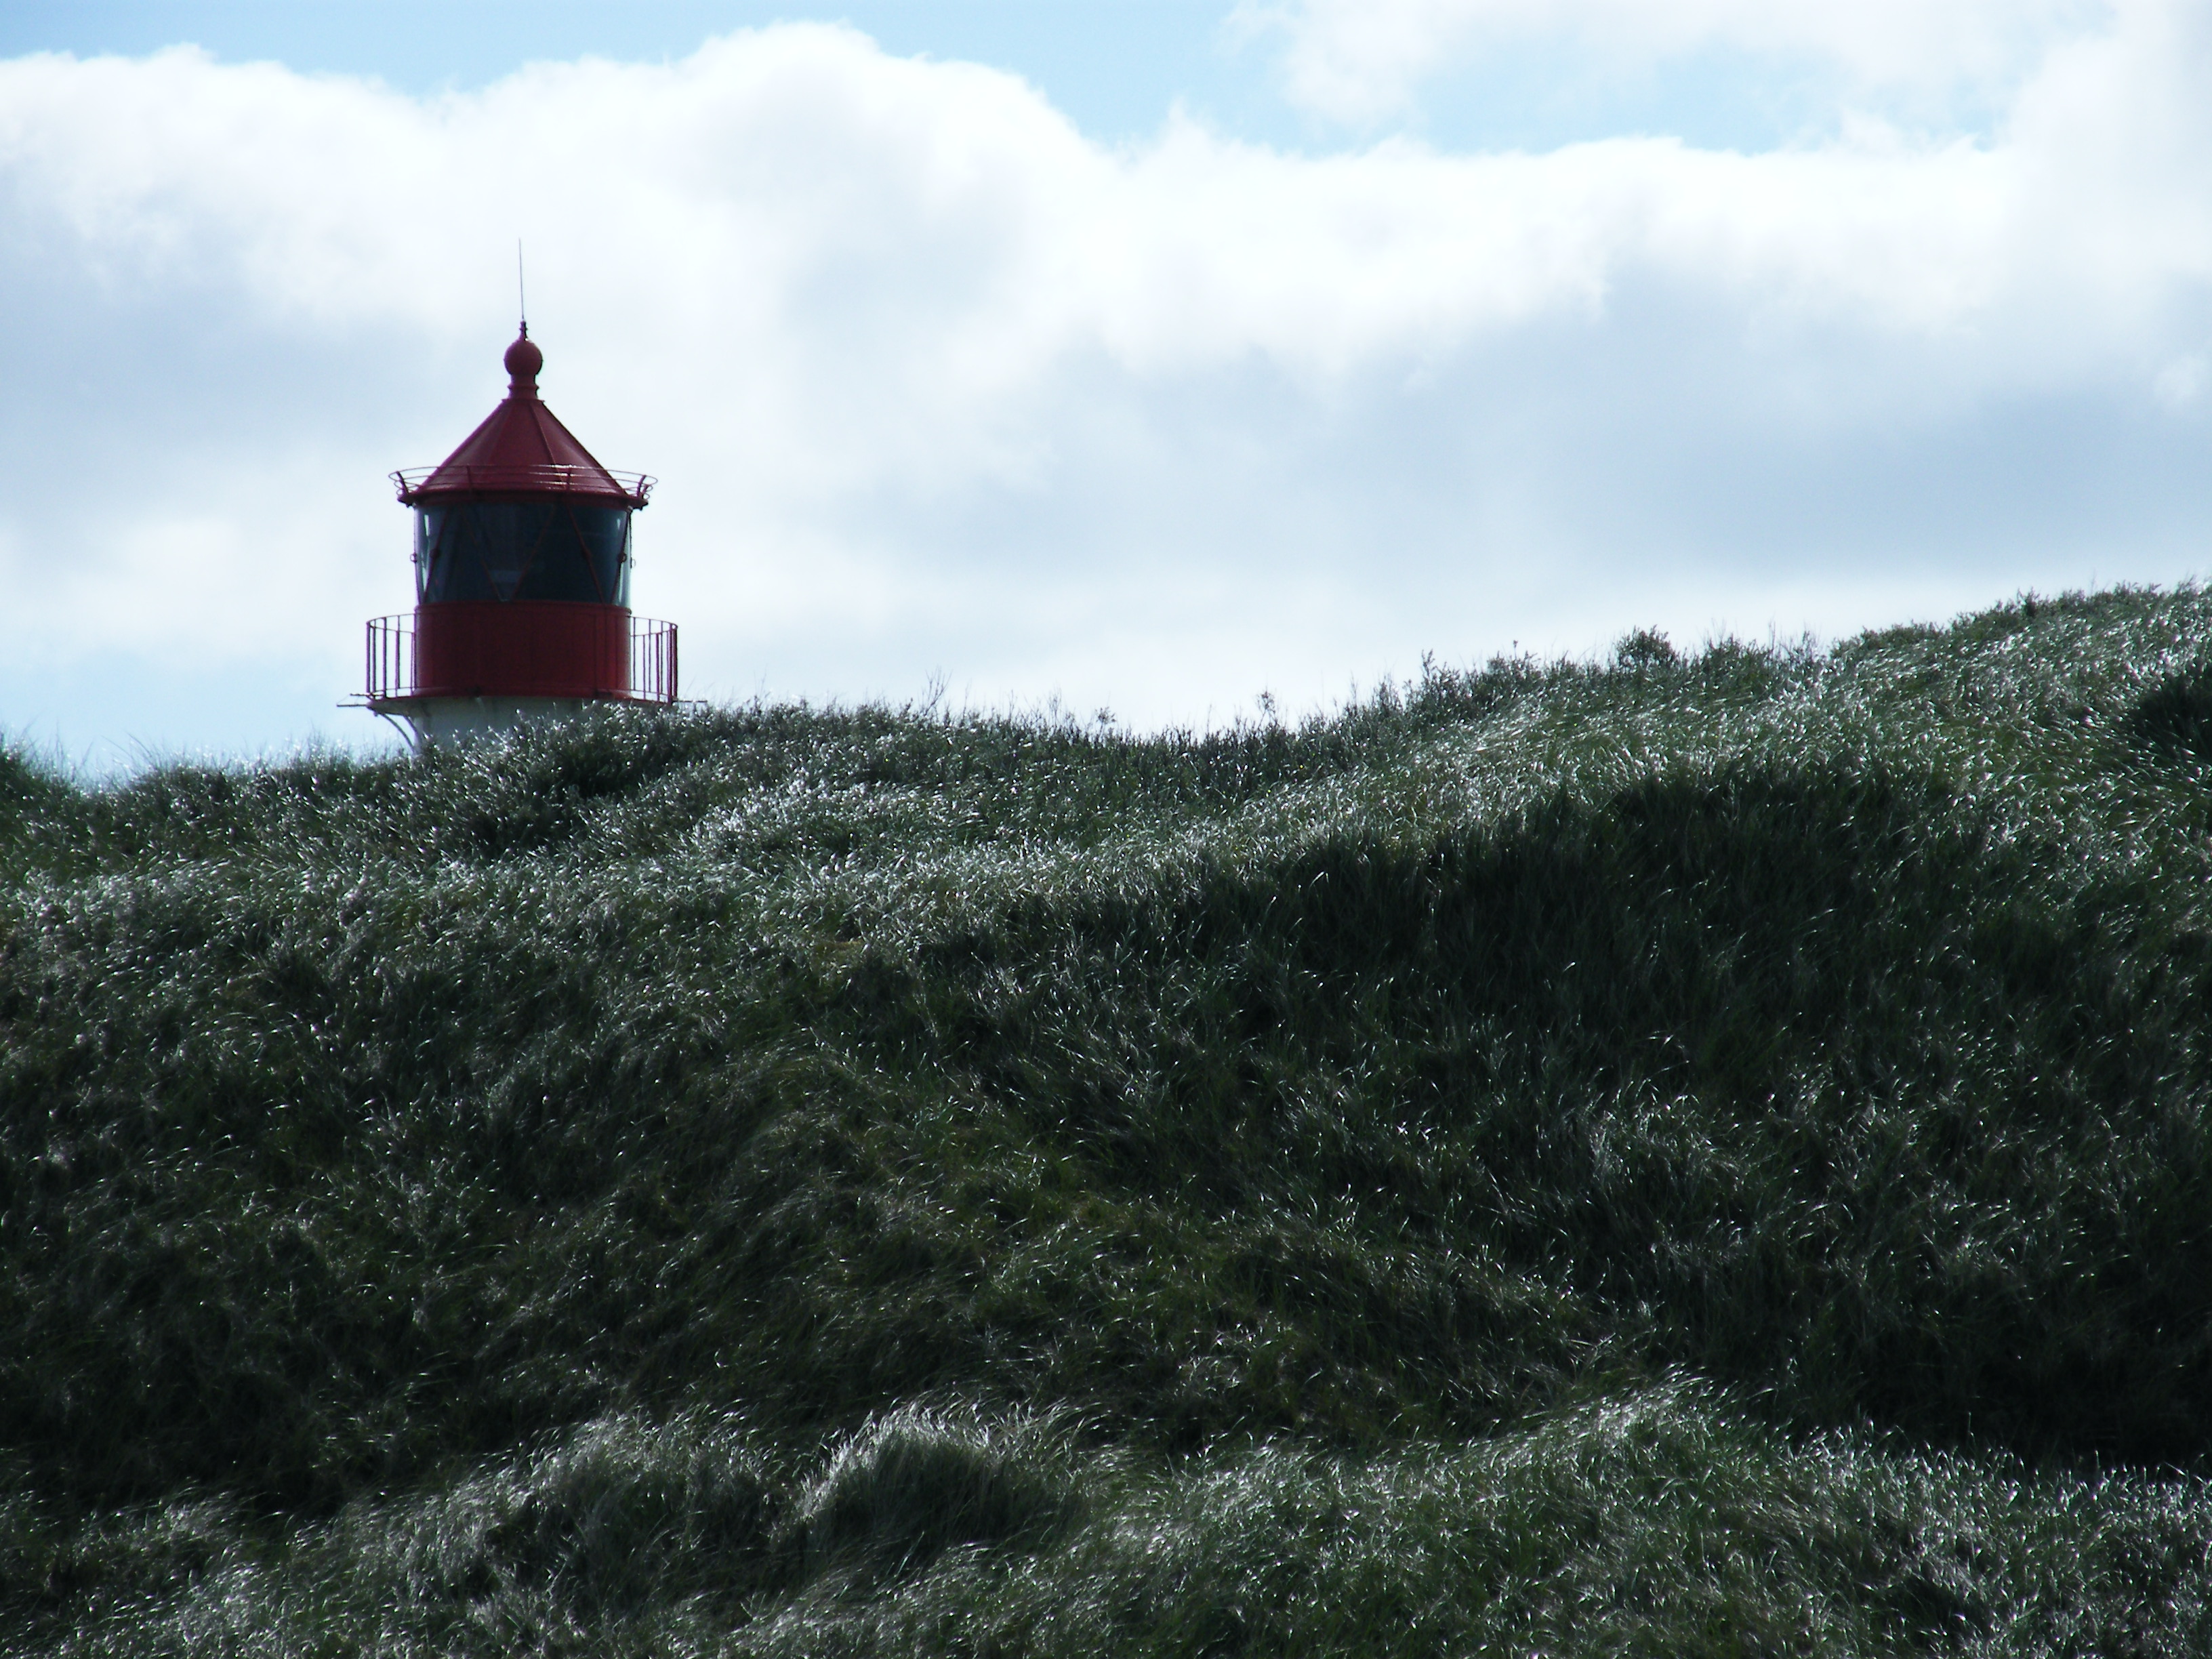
x,y
522,550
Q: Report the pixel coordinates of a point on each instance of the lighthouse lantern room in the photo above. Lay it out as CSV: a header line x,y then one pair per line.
x,y
522,555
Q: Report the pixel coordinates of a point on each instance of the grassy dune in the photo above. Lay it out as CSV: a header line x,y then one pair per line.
x,y
1682,1156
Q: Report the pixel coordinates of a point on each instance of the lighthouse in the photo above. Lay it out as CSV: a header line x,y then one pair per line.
x,y
523,553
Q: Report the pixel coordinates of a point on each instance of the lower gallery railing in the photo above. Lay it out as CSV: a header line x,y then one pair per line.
x,y
391,658
651,659
390,672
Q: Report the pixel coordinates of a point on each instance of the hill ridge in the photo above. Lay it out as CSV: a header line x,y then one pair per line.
x,y
782,1178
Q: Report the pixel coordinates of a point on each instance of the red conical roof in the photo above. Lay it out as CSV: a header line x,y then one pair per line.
x,y
521,449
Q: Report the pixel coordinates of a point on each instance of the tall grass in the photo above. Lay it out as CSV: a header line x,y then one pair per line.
x,y
1655,1522
1692,1153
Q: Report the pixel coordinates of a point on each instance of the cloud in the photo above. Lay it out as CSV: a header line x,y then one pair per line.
x,y
2181,382
1359,61
935,382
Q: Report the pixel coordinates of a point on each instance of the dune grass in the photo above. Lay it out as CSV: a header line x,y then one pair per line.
x,y
1655,1523
1690,1154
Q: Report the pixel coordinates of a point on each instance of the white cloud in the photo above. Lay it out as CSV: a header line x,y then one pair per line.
x,y
935,382
2181,382
1361,60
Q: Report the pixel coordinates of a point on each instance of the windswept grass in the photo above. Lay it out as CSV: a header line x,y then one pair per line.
x,y
1689,1154
1656,1522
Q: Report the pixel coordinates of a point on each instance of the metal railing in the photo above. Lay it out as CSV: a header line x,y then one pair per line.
x,y
391,658
651,659
390,672
548,476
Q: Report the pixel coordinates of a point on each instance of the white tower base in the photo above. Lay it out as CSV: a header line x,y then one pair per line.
x,y
446,722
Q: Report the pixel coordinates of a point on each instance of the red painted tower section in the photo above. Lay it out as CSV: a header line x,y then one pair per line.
x,y
522,555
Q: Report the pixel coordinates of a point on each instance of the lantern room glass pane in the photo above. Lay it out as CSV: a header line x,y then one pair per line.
x,y
501,551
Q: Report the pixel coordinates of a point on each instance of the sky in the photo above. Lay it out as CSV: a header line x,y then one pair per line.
x,y
1141,357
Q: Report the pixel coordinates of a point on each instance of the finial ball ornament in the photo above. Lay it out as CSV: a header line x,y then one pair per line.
x,y
524,360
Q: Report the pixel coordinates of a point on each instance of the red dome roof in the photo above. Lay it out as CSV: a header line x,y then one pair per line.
x,y
521,449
